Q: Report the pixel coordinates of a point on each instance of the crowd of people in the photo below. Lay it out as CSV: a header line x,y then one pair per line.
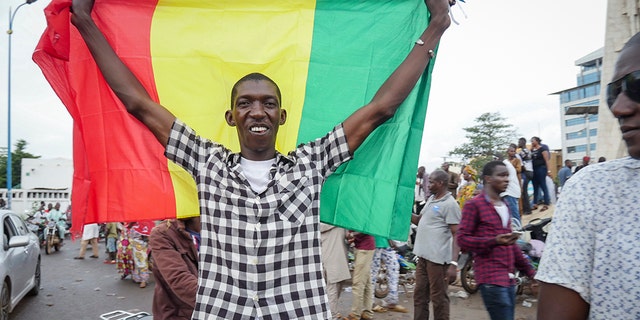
x,y
260,256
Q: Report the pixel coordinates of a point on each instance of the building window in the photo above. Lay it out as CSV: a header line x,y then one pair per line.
x,y
580,120
581,148
581,134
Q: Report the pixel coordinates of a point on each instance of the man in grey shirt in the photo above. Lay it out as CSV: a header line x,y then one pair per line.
x,y
436,249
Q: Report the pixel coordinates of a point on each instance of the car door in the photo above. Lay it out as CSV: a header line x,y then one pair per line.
x,y
17,259
31,251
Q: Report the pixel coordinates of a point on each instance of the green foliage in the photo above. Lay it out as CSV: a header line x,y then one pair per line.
x,y
490,137
17,154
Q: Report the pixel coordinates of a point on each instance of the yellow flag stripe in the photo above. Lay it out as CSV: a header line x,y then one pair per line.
x,y
216,45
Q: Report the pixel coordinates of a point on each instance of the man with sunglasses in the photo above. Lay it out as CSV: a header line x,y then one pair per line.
x,y
590,264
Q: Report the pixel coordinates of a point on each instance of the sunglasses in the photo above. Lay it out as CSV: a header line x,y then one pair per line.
x,y
630,84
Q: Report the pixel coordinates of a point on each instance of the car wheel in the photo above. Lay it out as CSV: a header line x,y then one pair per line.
x,y
5,301
36,281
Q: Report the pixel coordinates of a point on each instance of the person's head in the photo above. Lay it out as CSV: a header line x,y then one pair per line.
x,y
511,152
421,170
568,163
469,173
438,181
445,167
535,141
257,114
623,94
49,206
57,206
585,160
602,159
495,176
522,143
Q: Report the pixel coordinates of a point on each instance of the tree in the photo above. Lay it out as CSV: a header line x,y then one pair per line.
x,y
489,137
17,155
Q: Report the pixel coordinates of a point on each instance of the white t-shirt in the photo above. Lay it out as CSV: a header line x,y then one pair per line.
x,y
513,189
90,231
257,173
593,247
503,212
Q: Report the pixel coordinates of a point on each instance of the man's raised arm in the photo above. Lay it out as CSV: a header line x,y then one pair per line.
x,y
397,87
121,80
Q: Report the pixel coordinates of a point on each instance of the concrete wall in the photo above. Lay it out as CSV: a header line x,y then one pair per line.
x,y
623,21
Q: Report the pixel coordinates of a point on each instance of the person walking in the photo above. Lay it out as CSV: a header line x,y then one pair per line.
x,y
90,233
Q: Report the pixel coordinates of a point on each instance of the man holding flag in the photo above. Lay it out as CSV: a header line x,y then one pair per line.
x,y
260,245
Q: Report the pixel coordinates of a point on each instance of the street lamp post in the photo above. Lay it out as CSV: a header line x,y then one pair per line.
x,y
12,15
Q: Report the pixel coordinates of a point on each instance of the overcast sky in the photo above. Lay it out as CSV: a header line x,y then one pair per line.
x,y
507,56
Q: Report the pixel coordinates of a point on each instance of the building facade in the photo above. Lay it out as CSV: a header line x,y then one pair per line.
x,y
623,21
47,180
579,112
590,128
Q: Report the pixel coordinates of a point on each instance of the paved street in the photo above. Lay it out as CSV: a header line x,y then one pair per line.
x,y
81,289
84,289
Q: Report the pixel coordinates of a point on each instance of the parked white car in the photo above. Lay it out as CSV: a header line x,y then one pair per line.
x,y
19,262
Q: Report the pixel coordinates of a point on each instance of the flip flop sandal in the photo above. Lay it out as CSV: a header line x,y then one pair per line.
x,y
378,308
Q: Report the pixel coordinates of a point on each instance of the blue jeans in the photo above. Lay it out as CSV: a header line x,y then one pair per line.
x,y
540,183
499,301
512,203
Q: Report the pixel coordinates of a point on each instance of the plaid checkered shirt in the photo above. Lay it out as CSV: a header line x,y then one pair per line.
x,y
260,253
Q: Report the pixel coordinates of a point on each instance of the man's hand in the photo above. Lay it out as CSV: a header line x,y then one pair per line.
x,y
507,239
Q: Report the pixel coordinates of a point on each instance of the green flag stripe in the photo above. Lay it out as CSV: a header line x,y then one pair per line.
x,y
350,59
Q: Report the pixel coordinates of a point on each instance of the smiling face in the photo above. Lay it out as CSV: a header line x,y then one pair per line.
x,y
257,115
626,110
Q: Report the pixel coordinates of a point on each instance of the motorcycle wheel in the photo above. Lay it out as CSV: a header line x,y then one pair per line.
x,y
467,278
48,244
382,288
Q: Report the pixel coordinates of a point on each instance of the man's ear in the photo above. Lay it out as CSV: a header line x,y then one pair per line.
x,y
228,115
283,116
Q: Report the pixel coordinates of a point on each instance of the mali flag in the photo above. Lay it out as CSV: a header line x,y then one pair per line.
x,y
329,57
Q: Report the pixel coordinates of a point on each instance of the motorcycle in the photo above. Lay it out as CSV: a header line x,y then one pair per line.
x,y
51,238
532,250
